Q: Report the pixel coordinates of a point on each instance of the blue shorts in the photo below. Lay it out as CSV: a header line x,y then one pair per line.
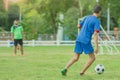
x,y
81,47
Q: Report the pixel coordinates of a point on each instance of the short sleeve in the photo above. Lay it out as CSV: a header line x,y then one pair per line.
x,y
12,30
97,26
22,28
82,22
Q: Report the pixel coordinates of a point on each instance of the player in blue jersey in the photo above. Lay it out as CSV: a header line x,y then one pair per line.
x,y
90,25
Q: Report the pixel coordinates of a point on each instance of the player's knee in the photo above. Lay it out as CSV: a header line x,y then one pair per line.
x,y
75,58
93,58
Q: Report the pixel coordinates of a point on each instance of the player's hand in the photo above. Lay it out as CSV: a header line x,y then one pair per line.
x,y
96,51
78,26
12,40
24,38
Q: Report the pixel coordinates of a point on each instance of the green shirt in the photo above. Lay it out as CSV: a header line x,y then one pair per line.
x,y
17,31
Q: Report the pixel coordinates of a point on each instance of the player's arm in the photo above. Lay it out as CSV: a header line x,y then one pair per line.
x,y
79,26
23,35
12,36
96,31
96,41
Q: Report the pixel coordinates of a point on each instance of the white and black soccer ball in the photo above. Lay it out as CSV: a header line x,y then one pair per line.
x,y
99,69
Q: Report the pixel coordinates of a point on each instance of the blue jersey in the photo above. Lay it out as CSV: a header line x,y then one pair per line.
x,y
88,25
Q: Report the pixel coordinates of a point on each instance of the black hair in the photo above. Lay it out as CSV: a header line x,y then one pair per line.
x,y
16,20
97,9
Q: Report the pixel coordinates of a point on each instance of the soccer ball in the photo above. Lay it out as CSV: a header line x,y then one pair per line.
x,y
99,69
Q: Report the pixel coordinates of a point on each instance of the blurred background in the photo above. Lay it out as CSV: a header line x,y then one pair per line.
x,y
42,19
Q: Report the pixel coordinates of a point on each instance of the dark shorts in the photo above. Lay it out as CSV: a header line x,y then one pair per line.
x,y
81,47
18,41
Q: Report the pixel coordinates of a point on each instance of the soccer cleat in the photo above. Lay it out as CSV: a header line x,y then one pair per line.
x,y
63,72
81,74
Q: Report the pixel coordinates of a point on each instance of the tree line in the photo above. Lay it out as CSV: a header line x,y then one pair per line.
x,y
42,16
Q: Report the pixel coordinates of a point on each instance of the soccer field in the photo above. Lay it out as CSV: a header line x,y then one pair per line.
x,y
45,63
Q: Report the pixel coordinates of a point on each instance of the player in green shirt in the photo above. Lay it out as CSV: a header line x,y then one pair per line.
x,y
17,36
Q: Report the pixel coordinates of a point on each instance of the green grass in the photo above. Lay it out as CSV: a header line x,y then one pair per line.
x,y
45,63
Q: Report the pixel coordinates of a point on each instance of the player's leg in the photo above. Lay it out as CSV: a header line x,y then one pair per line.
x,y
73,60
21,47
89,62
15,50
78,51
88,49
15,47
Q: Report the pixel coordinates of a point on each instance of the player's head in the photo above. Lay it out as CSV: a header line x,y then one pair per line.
x,y
16,22
97,10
